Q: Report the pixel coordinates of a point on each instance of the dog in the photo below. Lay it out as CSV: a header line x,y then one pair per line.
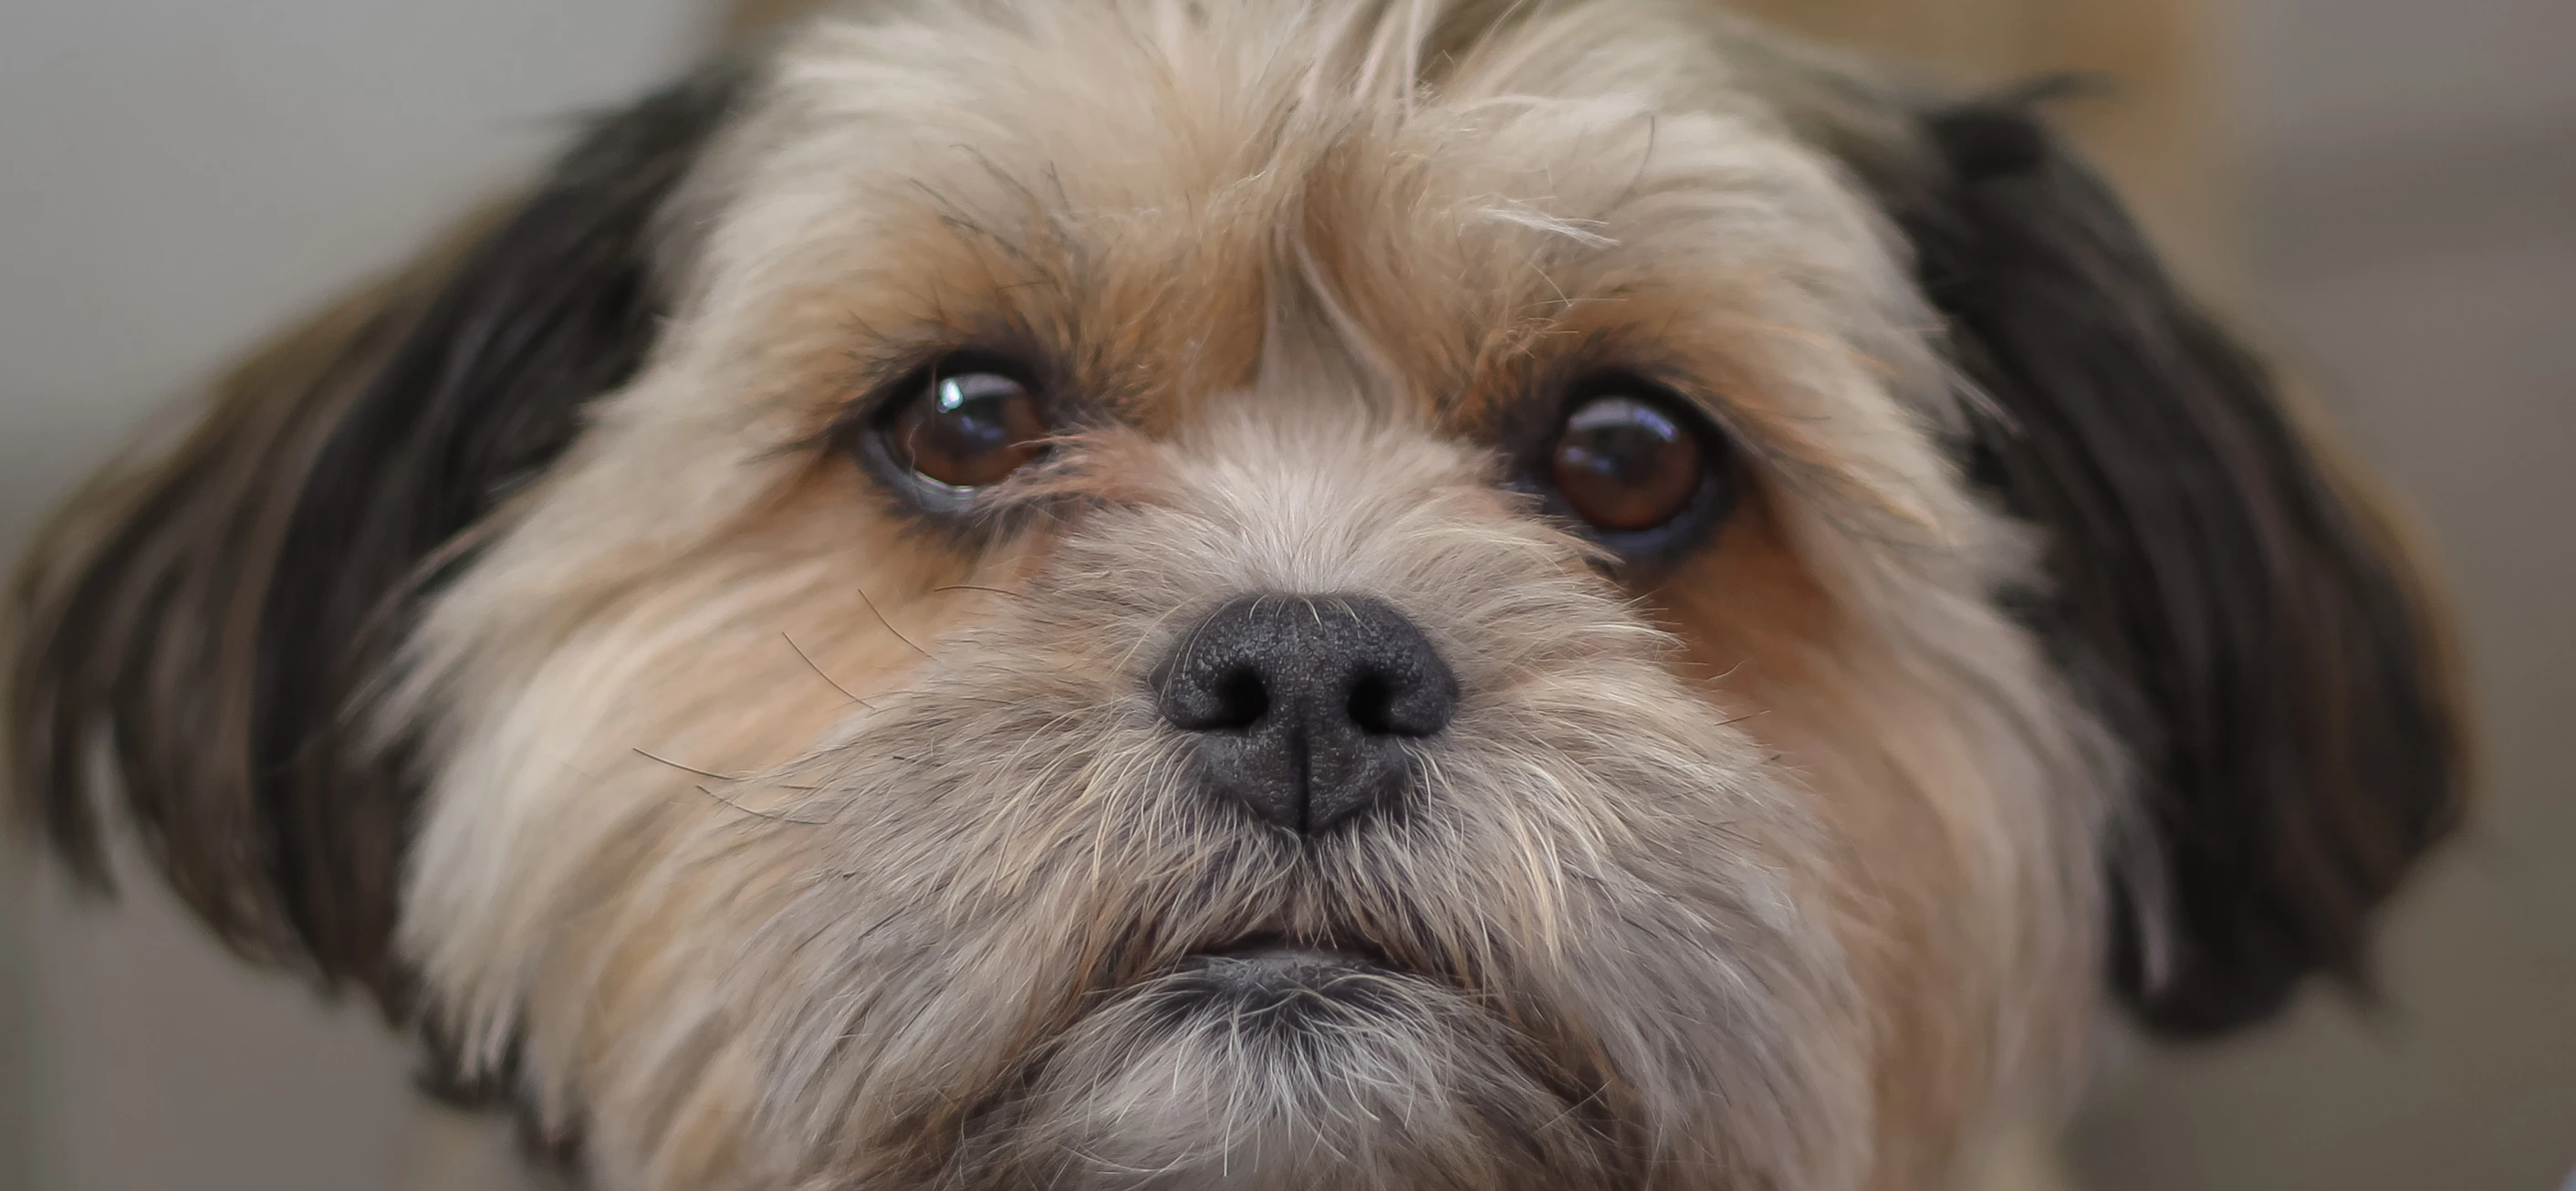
x,y
1156,594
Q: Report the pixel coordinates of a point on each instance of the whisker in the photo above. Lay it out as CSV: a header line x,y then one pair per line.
x,y
889,625
760,814
659,760
721,777
999,591
819,672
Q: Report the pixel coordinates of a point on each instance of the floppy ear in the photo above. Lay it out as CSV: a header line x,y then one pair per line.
x,y
2233,606
192,634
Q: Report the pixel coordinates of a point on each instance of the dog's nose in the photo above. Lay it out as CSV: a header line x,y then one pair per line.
x,y
1300,704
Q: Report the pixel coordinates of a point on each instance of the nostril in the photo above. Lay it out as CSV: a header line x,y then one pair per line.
x,y
1372,704
1241,700
1224,696
1414,701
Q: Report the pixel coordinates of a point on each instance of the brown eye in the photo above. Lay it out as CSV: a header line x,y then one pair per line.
x,y
1627,465
966,429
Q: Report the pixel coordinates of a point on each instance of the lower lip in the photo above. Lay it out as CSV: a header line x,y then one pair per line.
x,y
1258,976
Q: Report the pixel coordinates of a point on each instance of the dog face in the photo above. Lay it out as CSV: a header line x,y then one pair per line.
x,y
1143,594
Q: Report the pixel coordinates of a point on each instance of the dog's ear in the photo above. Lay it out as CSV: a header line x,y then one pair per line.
x,y
2236,607
191,636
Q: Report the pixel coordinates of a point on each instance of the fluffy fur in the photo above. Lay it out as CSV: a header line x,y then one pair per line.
x,y
519,644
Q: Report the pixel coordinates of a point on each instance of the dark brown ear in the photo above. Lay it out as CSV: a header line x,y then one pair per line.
x,y
191,636
2236,609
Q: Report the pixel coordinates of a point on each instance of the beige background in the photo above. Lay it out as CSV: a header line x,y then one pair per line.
x,y
176,175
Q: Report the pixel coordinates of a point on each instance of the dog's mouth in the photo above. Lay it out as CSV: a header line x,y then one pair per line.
x,y
1270,973
1271,946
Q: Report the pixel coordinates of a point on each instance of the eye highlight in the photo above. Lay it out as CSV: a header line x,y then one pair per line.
x,y
956,427
1638,466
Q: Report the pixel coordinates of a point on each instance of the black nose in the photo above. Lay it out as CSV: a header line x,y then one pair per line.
x,y
1300,703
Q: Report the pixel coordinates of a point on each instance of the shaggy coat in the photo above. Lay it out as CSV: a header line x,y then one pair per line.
x,y
547,642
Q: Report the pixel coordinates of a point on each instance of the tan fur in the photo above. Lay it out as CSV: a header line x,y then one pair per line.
x,y
2155,127
1910,774
795,846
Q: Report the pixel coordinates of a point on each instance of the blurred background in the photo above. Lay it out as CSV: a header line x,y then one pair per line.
x,y
2386,187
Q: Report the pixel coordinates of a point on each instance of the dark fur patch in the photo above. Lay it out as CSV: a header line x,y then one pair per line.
x,y
2240,616
206,625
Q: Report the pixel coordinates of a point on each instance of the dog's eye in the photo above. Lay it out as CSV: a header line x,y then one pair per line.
x,y
965,429
1633,464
